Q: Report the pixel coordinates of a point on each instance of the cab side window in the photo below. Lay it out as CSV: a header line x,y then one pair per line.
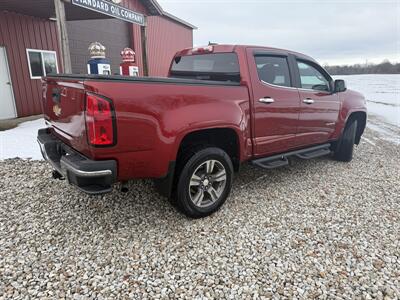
x,y
273,70
311,78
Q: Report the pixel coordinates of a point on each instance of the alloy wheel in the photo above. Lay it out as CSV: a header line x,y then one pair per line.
x,y
207,183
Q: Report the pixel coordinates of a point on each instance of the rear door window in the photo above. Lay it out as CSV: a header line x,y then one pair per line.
x,y
273,70
215,66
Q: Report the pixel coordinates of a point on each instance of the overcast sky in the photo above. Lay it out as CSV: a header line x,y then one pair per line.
x,y
331,31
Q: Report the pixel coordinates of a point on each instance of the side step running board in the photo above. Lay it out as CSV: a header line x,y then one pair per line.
x,y
281,160
314,153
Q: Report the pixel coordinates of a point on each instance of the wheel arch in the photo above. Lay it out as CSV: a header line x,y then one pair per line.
x,y
361,118
226,138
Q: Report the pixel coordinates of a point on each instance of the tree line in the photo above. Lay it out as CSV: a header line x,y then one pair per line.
x,y
386,67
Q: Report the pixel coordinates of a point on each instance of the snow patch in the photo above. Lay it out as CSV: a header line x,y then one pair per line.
x,y
368,141
21,141
382,93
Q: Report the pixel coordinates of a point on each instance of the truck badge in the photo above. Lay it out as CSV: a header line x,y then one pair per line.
x,y
57,110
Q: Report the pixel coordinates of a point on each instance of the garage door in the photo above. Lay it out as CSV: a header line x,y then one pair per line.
x,y
113,34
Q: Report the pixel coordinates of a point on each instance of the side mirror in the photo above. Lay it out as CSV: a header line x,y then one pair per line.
x,y
340,86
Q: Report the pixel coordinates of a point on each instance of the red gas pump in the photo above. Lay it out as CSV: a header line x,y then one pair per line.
x,y
128,66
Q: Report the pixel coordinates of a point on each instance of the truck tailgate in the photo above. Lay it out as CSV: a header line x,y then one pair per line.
x,y
64,109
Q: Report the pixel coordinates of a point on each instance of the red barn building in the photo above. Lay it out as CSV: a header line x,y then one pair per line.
x,y
31,40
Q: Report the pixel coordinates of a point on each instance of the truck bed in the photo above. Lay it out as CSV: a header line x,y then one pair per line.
x,y
142,79
150,114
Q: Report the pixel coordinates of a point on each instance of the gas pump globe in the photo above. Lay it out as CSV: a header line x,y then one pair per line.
x,y
128,66
98,63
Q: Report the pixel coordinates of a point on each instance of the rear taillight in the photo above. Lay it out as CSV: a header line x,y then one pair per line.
x,y
99,121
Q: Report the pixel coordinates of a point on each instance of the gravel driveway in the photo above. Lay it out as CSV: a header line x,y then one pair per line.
x,y
316,229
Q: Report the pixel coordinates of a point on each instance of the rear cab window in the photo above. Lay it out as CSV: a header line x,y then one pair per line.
x,y
213,66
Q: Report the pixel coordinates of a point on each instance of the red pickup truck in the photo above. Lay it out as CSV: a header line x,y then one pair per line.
x,y
220,106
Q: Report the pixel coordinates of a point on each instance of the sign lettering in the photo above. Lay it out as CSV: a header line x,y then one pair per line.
x,y
112,10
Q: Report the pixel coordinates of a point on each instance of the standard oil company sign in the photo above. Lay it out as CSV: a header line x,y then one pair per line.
x,y
111,9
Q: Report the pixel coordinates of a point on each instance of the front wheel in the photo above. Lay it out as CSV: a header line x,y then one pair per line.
x,y
204,182
344,149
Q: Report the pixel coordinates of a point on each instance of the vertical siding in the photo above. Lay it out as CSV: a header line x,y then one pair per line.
x,y
17,33
164,38
135,5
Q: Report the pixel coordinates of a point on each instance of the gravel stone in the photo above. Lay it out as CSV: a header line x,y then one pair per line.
x,y
317,229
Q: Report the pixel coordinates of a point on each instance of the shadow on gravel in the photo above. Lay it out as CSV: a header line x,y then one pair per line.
x,y
249,174
142,208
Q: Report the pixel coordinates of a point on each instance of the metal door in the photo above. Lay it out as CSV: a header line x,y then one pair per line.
x,y
319,110
7,103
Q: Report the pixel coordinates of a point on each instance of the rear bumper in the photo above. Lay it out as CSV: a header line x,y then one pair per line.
x,y
90,176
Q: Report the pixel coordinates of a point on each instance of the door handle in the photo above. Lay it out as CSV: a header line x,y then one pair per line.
x,y
267,100
9,83
308,101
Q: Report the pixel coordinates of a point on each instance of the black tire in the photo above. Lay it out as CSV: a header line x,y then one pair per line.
x,y
192,165
344,149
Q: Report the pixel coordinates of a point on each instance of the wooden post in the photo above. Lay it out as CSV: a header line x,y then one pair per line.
x,y
144,48
63,36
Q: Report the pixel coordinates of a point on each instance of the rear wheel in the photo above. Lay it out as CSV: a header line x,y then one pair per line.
x,y
204,182
344,149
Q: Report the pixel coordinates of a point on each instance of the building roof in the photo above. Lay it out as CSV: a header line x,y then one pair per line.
x,y
153,6
45,9
178,20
